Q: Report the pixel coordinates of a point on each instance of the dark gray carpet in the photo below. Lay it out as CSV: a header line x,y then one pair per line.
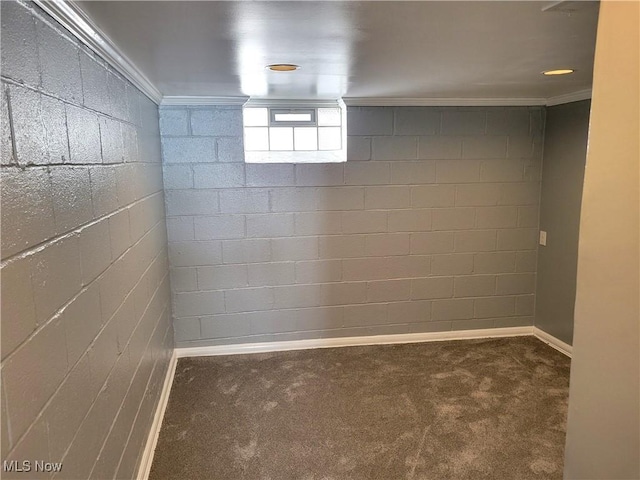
x,y
473,409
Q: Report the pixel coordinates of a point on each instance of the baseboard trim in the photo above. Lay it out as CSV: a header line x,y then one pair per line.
x,y
245,348
152,439
553,342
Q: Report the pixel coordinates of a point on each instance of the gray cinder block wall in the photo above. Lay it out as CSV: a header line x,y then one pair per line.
x,y
430,225
86,331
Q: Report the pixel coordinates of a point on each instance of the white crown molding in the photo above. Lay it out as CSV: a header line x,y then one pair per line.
x,y
553,342
569,97
71,17
152,439
442,102
244,348
186,100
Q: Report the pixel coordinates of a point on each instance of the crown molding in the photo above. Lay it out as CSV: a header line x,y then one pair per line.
x,y
441,102
569,97
71,17
186,100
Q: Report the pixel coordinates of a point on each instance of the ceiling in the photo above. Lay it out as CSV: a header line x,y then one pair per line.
x,y
411,50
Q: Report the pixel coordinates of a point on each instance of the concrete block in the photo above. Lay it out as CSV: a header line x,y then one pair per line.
x,y
117,90
411,173
417,121
512,322
459,171
269,174
521,146
184,279
35,444
271,274
358,148
464,122
367,173
22,227
28,381
270,225
174,121
364,221
94,84
496,217
82,321
71,192
428,196
293,199
497,262
474,286
386,197
341,246
525,305
439,148
18,313
452,309
518,239
177,176
225,326
430,288
111,141
456,264
395,148
223,175
6,139
297,296
217,122
343,293
526,261
414,311
484,146
95,250
221,277
516,283
189,328
476,241
246,251
249,299
520,194
296,248
318,271
191,202
55,126
219,227
501,171
528,217
417,220
104,190
340,198
84,136
388,290
187,254
318,223
378,245
275,322
244,200
370,121
55,276
365,315
29,133
188,150
120,233
130,143
509,120
19,44
319,174
230,149
453,218
471,195
133,105
432,242
494,307
190,304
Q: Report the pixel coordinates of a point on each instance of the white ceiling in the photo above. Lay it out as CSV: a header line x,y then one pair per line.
x,y
423,49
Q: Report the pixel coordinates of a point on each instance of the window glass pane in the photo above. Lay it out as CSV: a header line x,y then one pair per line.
x,y
329,138
281,138
329,117
256,138
292,117
305,138
255,117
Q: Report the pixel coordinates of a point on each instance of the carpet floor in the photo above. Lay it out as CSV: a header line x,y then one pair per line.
x,y
468,409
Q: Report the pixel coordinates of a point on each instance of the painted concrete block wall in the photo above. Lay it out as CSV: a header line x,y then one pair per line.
x,y
430,225
86,330
565,154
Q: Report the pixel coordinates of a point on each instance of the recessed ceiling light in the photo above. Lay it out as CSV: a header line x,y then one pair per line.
x,y
563,71
283,67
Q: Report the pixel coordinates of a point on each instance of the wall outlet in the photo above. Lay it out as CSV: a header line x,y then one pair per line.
x,y
543,238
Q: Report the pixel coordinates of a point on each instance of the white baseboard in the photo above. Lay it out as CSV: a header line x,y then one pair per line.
x,y
152,439
553,342
245,348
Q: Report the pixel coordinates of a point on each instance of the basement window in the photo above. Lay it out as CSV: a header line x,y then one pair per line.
x,y
294,133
